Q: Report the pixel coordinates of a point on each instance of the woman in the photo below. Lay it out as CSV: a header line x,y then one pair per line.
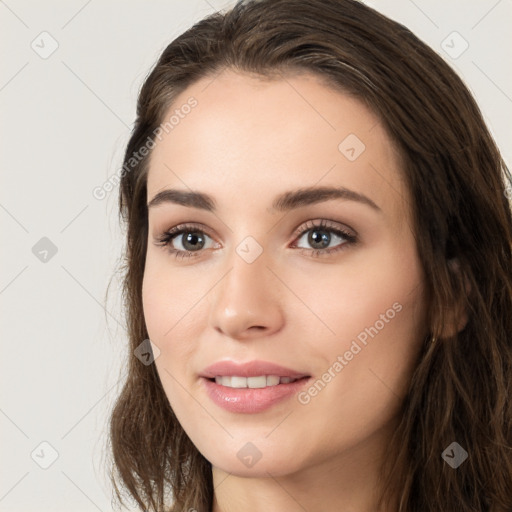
x,y
319,249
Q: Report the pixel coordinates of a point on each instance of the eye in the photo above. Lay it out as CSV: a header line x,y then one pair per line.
x,y
185,240
324,238
188,240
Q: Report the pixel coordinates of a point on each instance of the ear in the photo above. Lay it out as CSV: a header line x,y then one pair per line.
x,y
458,316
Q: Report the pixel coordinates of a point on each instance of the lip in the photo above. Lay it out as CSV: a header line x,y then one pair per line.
x,y
250,400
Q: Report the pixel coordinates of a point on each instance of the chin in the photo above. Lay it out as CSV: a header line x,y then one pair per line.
x,y
249,461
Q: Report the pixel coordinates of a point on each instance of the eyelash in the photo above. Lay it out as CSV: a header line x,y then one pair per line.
x,y
166,238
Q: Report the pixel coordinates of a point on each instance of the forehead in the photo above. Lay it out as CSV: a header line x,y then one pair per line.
x,y
259,136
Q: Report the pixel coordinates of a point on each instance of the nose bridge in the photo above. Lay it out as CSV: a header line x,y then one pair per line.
x,y
247,297
250,266
247,281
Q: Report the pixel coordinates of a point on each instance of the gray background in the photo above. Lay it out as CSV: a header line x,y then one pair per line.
x,y
65,121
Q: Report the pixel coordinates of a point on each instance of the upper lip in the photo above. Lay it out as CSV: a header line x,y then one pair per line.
x,y
249,369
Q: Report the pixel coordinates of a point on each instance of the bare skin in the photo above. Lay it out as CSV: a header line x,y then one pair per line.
x,y
246,142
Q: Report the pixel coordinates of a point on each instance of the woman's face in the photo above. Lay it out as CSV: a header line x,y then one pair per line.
x,y
327,285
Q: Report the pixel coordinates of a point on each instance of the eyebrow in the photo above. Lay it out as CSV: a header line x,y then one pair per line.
x,y
287,201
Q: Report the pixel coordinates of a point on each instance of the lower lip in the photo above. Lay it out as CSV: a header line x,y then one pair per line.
x,y
251,400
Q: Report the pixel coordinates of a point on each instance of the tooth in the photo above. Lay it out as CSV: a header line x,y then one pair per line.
x,y
238,382
257,382
272,380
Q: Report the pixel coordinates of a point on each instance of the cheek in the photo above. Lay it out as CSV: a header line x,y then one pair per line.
x,y
169,296
171,305
378,295
377,315
377,312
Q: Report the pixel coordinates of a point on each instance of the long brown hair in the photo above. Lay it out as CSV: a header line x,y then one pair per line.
x,y
460,391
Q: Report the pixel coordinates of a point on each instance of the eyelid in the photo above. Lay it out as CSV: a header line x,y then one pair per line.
x,y
183,226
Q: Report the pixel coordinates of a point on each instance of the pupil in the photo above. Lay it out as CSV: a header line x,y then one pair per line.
x,y
323,239
192,238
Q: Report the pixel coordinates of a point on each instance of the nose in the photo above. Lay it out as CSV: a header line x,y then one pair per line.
x,y
248,302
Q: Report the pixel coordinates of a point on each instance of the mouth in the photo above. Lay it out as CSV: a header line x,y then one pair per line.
x,y
251,387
